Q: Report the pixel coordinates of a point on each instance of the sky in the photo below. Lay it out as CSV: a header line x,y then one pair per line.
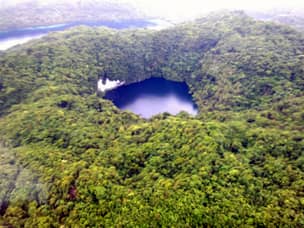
x,y
176,9
194,8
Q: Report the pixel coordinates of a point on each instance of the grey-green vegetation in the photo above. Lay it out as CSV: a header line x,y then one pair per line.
x,y
46,13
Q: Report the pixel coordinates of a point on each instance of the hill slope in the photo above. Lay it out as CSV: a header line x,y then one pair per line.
x,y
49,13
239,162
291,17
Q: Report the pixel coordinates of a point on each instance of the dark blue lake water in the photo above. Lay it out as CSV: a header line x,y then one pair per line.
x,y
12,38
153,96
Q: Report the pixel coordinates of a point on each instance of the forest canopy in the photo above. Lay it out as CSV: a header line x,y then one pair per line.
x,y
70,157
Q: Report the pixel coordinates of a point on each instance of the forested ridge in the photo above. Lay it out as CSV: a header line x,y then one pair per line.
x,y
33,13
71,158
291,17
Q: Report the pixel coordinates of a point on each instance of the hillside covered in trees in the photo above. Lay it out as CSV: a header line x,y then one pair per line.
x,y
34,13
68,157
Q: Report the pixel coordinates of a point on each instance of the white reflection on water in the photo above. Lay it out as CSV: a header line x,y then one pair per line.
x,y
154,105
153,96
10,42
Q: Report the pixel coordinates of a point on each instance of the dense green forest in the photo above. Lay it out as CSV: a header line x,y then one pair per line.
x,y
69,158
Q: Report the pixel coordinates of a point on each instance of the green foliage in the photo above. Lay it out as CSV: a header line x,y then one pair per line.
x,y
71,158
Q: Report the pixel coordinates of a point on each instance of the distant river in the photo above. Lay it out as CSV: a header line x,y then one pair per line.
x,y
11,38
153,96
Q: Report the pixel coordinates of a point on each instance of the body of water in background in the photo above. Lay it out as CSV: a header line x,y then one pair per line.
x,y
9,39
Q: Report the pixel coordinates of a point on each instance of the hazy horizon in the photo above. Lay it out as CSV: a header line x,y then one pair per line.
x,y
188,9
183,9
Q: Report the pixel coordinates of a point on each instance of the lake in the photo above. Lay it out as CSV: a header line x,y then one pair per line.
x,y
153,96
9,39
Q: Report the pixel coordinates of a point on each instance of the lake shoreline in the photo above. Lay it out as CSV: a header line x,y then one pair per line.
x,y
11,38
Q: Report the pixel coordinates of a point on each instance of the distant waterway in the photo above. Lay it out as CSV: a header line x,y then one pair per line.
x,y
11,38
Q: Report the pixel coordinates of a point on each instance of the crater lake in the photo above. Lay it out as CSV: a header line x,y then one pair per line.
x,y
153,96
